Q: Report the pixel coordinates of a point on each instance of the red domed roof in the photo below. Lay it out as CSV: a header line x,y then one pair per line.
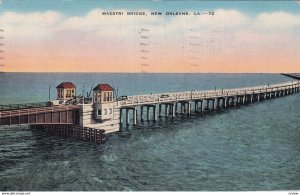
x,y
103,87
66,85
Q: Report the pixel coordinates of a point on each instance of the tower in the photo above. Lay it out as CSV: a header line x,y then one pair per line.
x,y
66,91
103,102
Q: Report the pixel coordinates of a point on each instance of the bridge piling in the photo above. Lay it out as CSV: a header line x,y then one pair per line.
x,y
166,110
159,110
173,110
148,114
121,120
188,108
142,113
127,116
134,116
154,113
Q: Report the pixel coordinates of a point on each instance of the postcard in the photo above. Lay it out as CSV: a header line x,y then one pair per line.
x,y
149,95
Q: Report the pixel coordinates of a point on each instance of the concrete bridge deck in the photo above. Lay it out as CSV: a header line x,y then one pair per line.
x,y
214,99
203,95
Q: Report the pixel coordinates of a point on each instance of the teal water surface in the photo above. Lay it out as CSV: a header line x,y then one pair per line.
x,y
254,147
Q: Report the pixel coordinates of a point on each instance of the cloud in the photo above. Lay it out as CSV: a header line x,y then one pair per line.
x,y
277,20
50,23
115,40
111,25
35,24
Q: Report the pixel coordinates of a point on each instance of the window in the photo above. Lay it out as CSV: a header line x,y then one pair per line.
x,y
110,96
68,93
60,93
104,98
99,97
110,111
105,112
99,112
95,97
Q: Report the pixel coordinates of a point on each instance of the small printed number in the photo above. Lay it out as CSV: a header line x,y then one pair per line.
x,y
293,193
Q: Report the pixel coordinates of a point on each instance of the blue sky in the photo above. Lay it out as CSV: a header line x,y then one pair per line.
x,y
81,7
68,35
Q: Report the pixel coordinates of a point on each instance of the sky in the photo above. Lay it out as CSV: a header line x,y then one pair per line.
x,y
75,36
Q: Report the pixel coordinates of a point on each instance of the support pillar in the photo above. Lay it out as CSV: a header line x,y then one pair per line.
x,y
154,113
189,108
148,117
166,110
142,113
201,106
127,117
159,110
121,121
134,115
218,103
174,110
207,104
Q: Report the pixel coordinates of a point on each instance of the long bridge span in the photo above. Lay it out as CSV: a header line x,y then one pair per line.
x,y
92,120
173,104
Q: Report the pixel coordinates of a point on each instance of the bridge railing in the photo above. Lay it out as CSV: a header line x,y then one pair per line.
x,y
23,106
189,95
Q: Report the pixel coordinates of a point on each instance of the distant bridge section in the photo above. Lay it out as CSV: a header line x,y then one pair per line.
x,y
293,75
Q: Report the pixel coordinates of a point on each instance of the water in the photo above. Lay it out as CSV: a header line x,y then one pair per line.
x,y
255,147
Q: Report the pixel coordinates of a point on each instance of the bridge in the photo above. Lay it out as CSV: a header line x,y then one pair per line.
x,y
102,114
61,120
292,75
23,114
201,100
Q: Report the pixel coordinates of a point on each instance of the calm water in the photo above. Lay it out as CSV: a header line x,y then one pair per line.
x,y
255,147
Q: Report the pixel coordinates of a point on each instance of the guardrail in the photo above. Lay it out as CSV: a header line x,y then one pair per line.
x,y
23,106
194,95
